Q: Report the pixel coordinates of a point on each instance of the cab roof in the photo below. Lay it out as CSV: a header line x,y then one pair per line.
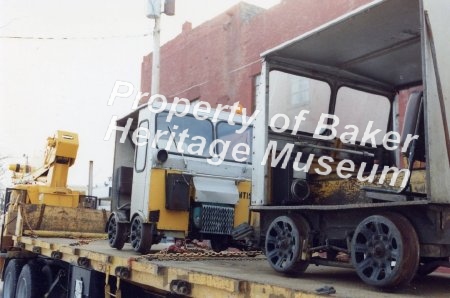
x,y
377,44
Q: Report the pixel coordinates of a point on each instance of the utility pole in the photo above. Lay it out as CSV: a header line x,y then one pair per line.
x,y
156,59
154,12
91,178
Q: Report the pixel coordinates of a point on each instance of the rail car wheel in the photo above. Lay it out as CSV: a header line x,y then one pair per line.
x,y
285,238
385,250
30,281
11,278
141,235
117,232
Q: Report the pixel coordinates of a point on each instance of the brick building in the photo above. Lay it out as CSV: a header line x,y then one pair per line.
x,y
219,60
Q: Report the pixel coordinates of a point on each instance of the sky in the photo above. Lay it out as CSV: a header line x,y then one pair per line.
x,y
59,61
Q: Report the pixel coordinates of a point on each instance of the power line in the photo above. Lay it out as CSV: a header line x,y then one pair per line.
x,y
74,38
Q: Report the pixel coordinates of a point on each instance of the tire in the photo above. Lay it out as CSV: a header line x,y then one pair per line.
x,y
285,238
385,251
30,283
141,235
117,232
11,277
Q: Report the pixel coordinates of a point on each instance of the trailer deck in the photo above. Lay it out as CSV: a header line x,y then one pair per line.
x,y
249,277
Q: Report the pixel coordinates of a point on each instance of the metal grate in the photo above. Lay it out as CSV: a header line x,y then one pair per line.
x,y
217,219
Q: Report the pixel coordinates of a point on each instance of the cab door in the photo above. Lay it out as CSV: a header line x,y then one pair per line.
x,y
142,164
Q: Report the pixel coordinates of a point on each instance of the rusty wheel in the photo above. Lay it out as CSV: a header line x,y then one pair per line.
x,y
141,235
284,244
117,232
385,250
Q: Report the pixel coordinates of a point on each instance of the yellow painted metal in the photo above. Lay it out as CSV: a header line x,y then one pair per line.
x,y
179,220
152,275
40,194
63,234
241,211
48,183
20,168
168,219
60,155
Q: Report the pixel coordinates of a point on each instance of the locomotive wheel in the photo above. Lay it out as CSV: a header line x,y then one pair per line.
x,y
385,250
141,236
117,233
284,244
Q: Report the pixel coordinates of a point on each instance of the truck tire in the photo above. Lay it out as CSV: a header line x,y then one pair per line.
x,y
30,284
11,277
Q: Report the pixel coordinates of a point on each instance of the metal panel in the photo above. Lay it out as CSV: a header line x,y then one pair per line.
x,y
260,138
84,283
379,42
437,105
177,192
214,190
140,193
217,219
200,167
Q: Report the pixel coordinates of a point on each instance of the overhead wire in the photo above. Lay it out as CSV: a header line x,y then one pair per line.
x,y
73,37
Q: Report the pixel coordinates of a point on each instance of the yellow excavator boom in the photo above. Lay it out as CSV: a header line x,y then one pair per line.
x,y
47,184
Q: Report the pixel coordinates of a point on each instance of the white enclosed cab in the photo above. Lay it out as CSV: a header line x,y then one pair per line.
x,y
180,171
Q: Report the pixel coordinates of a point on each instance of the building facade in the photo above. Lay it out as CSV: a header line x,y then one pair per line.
x,y
219,61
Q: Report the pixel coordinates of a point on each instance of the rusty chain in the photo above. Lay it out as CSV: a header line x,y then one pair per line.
x,y
201,254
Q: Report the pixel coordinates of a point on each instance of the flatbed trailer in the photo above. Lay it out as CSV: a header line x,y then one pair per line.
x,y
143,276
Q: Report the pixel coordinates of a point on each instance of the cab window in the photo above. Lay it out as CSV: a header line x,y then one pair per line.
x,y
241,141
358,108
289,94
191,135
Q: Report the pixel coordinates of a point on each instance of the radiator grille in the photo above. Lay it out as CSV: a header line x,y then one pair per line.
x,y
217,219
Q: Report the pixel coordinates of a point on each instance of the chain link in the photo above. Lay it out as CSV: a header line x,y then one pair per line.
x,y
201,254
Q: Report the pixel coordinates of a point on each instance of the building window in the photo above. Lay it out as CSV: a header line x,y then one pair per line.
x,y
289,94
299,90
